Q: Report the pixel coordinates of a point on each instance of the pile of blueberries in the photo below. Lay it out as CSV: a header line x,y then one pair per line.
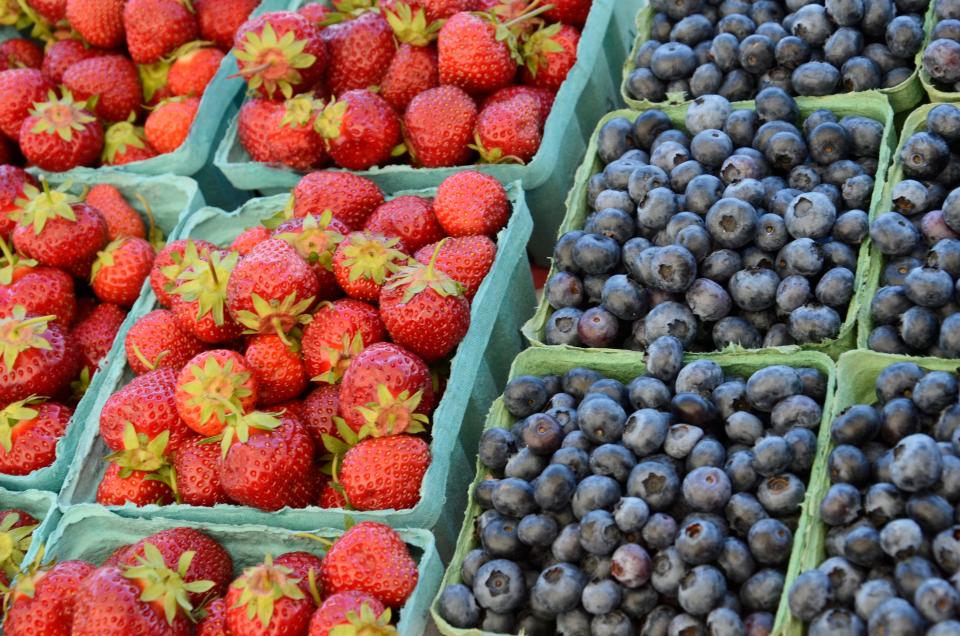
x,y
915,311
737,48
893,547
941,58
664,506
745,228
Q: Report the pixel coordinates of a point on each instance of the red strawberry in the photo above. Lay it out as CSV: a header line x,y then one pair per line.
x,y
409,218
113,78
20,89
63,54
249,239
549,54
12,182
351,198
319,409
197,466
41,291
20,53
16,530
466,260
157,27
213,386
280,53
316,12
122,219
42,600
220,19
100,22
200,296
155,341
95,334
125,143
291,137
304,567
346,608
171,261
277,367
210,561
51,10
360,52
37,358
168,125
372,558
361,130
441,9
330,497
255,123
364,261
271,468
215,621
474,55
140,474
509,130
120,270
193,71
383,473
266,601
149,404
316,239
29,432
60,134
412,70
438,127
338,331
569,11
544,96
471,202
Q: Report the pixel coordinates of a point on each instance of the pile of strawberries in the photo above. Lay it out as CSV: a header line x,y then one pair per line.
x,y
181,581
303,349
16,532
429,82
106,67
74,270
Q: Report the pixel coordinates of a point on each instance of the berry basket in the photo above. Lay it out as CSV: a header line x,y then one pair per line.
x,y
478,370
589,89
169,197
91,532
902,97
869,104
623,366
42,505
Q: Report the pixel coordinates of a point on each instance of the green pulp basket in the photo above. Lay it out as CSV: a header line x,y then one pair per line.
x,y
623,366
40,504
92,533
869,104
477,373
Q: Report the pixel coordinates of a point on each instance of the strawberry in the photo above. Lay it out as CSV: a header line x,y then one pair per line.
x,y
249,239
306,568
148,402
125,143
425,310
168,125
122,219
29,432
408,218
271,289
213,386
315,12
16,532
266,601
193,70
509,130
471,202
140,474
466,260
442,9
569,11
361,129
277,367
42,600
473,54
549,54
438,127
171,261
20,53
20,89
220,19
215,621
338,331
351,198
63,54
113,78
155,28
95,334
41,291
291,137
197,467
319,409
56,230
210,561
50,10
255,123
372,558
360,52
280,53
12,182
331,497
544,96
293,408
100,22
155,341
60,134
316,239
38,358
412,70
270,467
383,473
120,269
386,390
345,608
200,295
364,261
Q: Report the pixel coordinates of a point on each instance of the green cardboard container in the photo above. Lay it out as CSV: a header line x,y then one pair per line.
x,y
477,373
590,89
42,505
169,198
870,104
92,533
624,366
903,96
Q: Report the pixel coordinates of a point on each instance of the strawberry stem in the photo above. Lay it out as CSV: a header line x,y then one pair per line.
x,y
530,14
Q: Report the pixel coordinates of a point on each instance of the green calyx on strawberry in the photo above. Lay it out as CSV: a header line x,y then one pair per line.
x,y
372,257
78,387
11,263
262,586
163,586
145,455
411,27
492,155
282,318
273,63
105,257
19,333
239,426
205,282
19,14
345,10
366,623
509,32
315,242
340,358
12,415
39,206
153,77
172,272
415,278
299,110
392,414
14,543
330,121
61,116
539,45
217,390
119,137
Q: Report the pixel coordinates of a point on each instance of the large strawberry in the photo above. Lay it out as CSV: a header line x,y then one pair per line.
x,y
364,261
121,217
155,341
320,408
194,69
355,609
409,218
29,432
41,291
213,386
361,129
38,358
544,96
100,22
214,623
200,296
474,53
20,89
42,599
277,367
12,183
360,52
256,121
292,139
63,54
169,124
471,202
20,53
466,260
171,261
412,70
306,568
125,143
316,237
549,54
339,331
569,11
372,558
96,332
438,127
120,269
509,130
16,532
210,561
149,404
197,467
220,19
249,239
156,28
280,53
113,79
349,197
384,473
140,474
267,601
61,134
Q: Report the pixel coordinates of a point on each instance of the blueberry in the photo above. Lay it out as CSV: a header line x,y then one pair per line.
x,y
558,589
919,328
660,531
701,590
801,256
781,494
596,253
837,622
598,327
499,586
593,493
499,538
916,464
731,222
709,111
654,482
814,323
645,392
724,621
815,78
566,547
612,460
711,146
671,319
795,411
940,60
555,486
708,452
664,358
496,446
708,300
935,391
699,542
862,74
862,546
770,541
840,505
762,591
924,155
928,287
601,419
901,538
944,628
573,623
648,125
931,511
706,489
736,561
681,438
458,607
674,268
810,594
655,208
615,623
562,327
895,616
744,427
